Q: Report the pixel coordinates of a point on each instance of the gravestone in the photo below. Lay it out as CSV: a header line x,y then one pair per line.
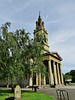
x,y
17,93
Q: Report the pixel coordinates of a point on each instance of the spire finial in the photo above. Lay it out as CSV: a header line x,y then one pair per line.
x,y
39,13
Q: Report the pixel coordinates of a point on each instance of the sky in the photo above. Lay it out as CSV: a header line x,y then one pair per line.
x,y
59,19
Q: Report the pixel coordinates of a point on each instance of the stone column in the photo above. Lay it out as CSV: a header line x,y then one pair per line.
x,y
30,81
54,72
40,79
36,79
58,74
44,83
61,74
50,73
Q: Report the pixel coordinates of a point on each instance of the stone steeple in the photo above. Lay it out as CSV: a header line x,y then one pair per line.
x,y
41,30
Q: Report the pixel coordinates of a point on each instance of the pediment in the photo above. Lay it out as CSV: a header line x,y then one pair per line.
x,y
55,54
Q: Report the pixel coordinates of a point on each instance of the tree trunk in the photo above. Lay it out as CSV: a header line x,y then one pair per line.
x,y
12,86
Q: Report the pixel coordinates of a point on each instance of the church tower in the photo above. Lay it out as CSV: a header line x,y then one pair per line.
x,y
41,30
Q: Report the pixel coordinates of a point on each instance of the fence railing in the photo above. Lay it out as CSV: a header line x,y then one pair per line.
x,y
62,94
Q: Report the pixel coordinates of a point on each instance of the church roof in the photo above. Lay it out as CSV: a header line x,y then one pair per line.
x,y
55,55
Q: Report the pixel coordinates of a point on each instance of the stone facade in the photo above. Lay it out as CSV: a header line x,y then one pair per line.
x,y
52,61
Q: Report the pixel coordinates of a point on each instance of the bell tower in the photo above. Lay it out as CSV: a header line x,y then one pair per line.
x,y
41,30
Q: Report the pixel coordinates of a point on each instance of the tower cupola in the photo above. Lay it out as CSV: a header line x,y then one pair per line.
x,y
39,23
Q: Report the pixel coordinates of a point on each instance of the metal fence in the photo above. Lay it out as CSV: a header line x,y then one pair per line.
x,y
62,95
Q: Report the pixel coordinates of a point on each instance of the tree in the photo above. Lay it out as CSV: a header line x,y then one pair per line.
x,y
19,55
8,46
4,48
72,73
68,73
67,77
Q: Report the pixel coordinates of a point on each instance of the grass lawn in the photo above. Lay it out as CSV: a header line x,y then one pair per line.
x,y
4,88
4,94
26,95
71,83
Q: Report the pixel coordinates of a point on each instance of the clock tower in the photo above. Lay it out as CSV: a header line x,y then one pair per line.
x,y
42,32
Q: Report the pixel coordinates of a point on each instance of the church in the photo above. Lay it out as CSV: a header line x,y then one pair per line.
x,y
52,61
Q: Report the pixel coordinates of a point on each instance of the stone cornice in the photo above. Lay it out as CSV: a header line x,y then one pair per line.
x,y
46,54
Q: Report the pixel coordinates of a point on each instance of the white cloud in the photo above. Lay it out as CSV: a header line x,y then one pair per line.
x,y
61,36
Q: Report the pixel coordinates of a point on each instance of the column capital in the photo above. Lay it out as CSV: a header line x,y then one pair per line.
x,y
53,61
49,60
59,63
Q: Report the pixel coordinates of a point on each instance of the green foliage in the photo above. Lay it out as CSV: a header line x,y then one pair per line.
x,y
68,73
72,72
37,54
67,77
19,55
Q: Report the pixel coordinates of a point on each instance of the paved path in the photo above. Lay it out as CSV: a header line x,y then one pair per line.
x,y
52,91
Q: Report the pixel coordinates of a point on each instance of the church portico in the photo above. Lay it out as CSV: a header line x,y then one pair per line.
x,y
54,74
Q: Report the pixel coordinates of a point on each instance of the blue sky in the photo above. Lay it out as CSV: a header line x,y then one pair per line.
x,y
59,18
